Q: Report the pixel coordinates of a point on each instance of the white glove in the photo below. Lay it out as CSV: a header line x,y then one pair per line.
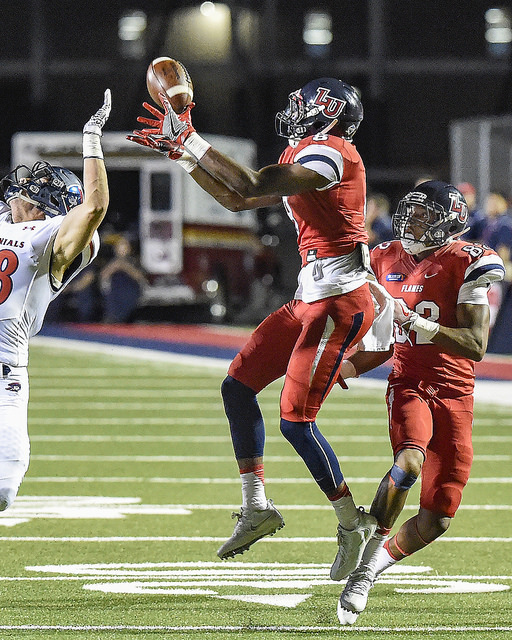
x,y
172,127
92,129
411,321
96,122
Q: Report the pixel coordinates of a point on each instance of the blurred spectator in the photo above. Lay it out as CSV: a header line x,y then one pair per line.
x,y
83,296
121,282
477,217
80,301
497,232
378,219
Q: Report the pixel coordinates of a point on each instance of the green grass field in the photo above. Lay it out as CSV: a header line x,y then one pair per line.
x,y
129,494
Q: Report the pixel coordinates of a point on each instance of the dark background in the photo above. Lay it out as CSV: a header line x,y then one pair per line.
x,y
418,66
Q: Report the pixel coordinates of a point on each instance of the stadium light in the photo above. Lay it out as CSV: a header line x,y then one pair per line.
x,y
498,31
317,33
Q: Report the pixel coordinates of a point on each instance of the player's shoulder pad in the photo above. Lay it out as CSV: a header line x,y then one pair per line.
x,y
5,211
485,265
324,159
389,247
319,153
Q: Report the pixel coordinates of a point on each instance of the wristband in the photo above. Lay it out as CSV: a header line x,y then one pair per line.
x,y
186,161
92,146
426,329
196,145
188,165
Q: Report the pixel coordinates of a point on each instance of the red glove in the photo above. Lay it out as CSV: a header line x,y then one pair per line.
x,y
155,124
157,142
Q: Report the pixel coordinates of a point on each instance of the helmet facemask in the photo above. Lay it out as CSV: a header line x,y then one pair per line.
x,y
53,190
439,226
296,121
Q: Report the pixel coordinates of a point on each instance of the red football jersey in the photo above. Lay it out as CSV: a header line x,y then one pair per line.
x,y
431,288
329,222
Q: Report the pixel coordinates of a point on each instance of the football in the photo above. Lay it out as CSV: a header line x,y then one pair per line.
x,y
165,75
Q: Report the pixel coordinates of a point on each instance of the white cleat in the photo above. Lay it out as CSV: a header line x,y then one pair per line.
x,y
355,594
351,543
345,616
251,526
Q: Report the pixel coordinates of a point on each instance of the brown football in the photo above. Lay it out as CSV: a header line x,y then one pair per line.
x,y
165,75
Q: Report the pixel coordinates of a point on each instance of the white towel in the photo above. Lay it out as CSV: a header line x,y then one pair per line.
x,y
380,335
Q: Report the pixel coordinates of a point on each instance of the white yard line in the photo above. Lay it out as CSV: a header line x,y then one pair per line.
x,y
22,500
262,629
232,480
202,459
217,539
210,439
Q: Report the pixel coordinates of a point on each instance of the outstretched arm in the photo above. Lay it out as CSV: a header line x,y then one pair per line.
x,y
79,225
226,197
231,183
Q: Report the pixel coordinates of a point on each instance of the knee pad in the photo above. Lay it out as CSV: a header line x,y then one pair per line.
x,y
401,479
289,429
234,391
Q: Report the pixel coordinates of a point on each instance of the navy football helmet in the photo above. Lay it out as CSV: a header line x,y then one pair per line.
x,y
443,218
54,190
321,105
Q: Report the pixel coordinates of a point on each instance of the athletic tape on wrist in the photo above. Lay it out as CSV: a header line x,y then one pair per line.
x,y
196,145
188,165
426,329
92,146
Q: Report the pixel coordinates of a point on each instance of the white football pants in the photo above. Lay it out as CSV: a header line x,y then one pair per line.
x,y
14,442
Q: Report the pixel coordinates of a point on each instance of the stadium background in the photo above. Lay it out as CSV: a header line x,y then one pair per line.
x,y
132,476
419,67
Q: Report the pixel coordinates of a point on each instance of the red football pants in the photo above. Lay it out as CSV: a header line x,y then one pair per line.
x,y
305,341
441,429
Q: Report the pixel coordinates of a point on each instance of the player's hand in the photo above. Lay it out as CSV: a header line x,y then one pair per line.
x,y
96,122
155,123
347,371
380,296
402,315
176,127
159,143
168,119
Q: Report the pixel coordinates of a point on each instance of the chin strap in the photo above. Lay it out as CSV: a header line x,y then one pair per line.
x,y
330,126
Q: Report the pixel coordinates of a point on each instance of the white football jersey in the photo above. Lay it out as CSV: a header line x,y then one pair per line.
x,y
26,288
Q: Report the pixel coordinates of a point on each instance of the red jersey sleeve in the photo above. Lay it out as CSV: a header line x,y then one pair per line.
x,y
431,288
